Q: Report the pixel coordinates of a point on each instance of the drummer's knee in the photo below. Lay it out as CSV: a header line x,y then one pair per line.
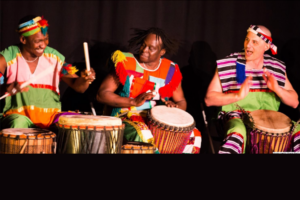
x,y
17,121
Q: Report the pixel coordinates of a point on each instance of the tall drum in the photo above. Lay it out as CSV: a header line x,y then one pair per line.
x,y
268,131
27,141
171,128
87,134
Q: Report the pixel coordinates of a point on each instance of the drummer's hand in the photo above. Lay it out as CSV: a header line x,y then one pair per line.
x,y
245,88
89,76
270,80
140,100
169,103
14,88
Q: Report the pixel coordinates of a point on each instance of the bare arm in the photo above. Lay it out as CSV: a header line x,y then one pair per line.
x,y
287,94
178,98
107,96
80,84
216,97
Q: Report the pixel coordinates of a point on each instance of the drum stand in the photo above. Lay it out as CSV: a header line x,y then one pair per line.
x,y
207,130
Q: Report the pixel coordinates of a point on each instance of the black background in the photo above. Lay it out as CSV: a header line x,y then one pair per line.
x,y
209,30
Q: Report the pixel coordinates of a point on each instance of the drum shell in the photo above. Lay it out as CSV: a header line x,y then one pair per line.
x,y
22,144
169,141
267,132
89,140
138,148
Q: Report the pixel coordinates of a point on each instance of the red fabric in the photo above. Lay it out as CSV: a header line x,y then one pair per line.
x,y
121,73
167,90
140,86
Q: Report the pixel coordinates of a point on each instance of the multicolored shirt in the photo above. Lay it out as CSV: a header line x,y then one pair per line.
x,y
41,102
259,97
136,80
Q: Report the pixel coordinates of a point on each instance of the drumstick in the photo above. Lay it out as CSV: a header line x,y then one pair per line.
x,y
93,109
42,74
86,55
206,125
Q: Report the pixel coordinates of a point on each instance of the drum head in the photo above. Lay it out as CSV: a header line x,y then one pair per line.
x,y
28,132
271,121
171,116
89,120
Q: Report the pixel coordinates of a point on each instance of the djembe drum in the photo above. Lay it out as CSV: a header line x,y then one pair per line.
x,y
87,134
268,131
138,148
171,128
27,141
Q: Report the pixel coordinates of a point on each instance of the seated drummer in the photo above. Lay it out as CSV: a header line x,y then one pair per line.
x,y
253,80
143,81
38,104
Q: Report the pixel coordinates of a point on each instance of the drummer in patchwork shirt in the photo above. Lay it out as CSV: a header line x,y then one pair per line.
x,y
38,104
157,80
253,80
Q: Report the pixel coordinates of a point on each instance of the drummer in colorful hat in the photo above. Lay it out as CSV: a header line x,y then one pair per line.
x,y
41,67
254,80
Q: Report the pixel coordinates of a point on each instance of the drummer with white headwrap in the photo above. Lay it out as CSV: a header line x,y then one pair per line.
x,y
253,80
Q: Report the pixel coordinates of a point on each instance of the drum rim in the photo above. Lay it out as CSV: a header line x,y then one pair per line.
x,y
271,131
170,127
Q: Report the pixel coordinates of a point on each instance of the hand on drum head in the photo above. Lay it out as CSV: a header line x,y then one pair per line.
x,y
140,100
245,88
270,80
14,88
169,103
89,76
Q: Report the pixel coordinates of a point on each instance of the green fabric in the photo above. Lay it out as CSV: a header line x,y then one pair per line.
x,y
123,93
130,133
54,52
16,121
39,97
237,125
10,53
129,55
256,101
138,68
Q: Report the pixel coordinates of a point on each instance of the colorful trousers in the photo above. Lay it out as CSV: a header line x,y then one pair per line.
x,y
21,121
137,130
236,134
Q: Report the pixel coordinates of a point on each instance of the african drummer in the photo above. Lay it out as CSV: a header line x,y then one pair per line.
x,y
38,104
253,80
139,82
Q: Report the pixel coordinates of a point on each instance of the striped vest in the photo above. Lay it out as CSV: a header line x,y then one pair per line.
x,y
227,73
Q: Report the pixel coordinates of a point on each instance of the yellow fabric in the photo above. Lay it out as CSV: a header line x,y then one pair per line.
x,y
117,57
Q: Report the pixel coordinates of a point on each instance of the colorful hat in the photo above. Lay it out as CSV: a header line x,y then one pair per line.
x,y
34,26
256,30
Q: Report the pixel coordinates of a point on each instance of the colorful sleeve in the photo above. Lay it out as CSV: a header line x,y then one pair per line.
x,y
118,59
68,69
1,78
173,79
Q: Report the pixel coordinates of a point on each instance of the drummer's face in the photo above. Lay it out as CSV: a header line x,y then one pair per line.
x,y
151,50
35,44
254,47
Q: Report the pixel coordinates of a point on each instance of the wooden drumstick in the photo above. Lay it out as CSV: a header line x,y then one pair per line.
x,y
42,74
87,57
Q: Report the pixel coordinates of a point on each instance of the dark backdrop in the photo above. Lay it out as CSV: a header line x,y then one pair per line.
x,y
209,30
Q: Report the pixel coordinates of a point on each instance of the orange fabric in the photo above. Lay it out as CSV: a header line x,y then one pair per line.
x,y
39,116
162,72
130,64
140,86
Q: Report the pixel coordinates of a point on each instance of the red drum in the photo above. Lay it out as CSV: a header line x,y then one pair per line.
x,y
171,128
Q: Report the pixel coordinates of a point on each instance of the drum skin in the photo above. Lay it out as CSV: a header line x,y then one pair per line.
x,y
27,141
171,128
270,132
